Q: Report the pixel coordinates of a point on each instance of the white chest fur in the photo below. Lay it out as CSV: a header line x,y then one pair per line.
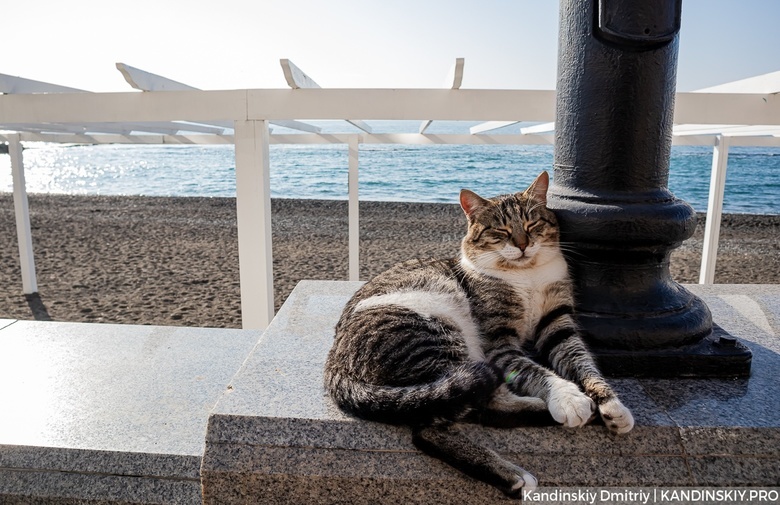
x,y
530,286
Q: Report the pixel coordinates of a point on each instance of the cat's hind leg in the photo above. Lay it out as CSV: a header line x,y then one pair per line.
x,y
449,444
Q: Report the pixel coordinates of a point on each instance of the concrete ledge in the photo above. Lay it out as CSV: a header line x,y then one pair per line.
x,y
275,437
109,413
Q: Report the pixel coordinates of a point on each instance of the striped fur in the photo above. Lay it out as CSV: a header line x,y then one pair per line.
x,y
487,337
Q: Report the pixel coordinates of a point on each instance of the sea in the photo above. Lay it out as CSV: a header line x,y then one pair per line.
x,y
405,173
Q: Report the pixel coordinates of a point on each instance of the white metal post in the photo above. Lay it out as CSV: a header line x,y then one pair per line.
x,y
354,209
253,209
709,256
21,207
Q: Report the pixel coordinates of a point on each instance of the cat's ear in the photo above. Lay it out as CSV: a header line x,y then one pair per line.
x,y
538,189
470,202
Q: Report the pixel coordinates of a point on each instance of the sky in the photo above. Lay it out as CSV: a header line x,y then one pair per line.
x,y
349,44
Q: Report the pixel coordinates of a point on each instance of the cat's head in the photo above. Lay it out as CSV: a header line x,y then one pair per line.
x,y
510,232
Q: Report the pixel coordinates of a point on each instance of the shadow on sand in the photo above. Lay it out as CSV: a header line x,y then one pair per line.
x,y
38,309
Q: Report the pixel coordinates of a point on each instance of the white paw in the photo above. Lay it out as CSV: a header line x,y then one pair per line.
x,y
524,481
616,416
568,405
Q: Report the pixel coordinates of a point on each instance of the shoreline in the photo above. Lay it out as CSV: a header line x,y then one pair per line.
x,y
174,260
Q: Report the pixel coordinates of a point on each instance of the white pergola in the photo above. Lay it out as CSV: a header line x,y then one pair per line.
x,y
169,112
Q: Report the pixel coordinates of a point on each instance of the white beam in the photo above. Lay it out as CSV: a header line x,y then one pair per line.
x,y
727,108
253,212
147,81
730,130
344,138
709,255
297,79
19,85
102,138
165,128
767,84
453,81
385,104
392,104
22,211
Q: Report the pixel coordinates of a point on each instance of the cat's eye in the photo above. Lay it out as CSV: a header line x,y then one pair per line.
x,y
533,226
499,235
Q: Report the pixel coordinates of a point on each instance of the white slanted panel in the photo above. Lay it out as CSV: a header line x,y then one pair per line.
x,y
532,129
490,125
539,129
147,81
297,79
21,86
455,77
765,83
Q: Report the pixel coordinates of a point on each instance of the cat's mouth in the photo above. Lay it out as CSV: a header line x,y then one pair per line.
x,y
516,255
514,260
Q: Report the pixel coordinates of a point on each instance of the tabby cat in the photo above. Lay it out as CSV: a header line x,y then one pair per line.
x,y
488,337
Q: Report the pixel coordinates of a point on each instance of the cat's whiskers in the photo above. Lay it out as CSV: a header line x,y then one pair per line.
x,y
570,248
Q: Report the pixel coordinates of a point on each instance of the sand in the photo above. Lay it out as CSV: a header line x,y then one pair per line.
x,y
174,261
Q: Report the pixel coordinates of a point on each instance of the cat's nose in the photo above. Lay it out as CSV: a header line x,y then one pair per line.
x,y
521,242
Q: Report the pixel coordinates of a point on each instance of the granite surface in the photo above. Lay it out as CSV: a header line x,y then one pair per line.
x,y
142,414
115,413
276,436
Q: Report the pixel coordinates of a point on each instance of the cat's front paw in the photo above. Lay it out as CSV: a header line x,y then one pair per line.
x,y
616,416
570,406
525,482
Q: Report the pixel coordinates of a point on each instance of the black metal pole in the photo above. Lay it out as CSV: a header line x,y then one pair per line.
x,y
617,64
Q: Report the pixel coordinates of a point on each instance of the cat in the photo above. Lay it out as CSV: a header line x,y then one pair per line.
x,y
488,337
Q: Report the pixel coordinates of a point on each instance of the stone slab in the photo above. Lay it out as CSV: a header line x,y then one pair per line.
x,y
113,413
275,433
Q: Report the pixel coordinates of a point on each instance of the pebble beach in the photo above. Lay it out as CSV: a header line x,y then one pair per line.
x,y
174,260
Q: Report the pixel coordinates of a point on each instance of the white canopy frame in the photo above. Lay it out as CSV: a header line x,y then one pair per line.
x,y
251,111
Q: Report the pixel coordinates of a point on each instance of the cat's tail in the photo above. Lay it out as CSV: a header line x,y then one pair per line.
x,y
467,387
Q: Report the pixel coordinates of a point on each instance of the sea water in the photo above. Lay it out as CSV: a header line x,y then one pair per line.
x,y
409,173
